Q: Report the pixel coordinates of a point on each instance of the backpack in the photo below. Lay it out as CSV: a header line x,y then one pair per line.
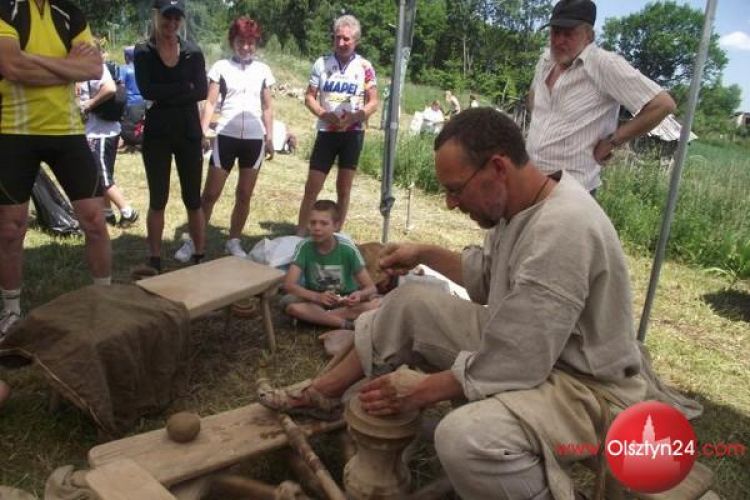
x,y
112,109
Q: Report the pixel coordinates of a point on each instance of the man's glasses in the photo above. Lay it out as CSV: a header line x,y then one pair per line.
x,y
456,192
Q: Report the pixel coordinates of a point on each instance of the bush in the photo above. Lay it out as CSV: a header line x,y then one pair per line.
x,y
710,227
414,163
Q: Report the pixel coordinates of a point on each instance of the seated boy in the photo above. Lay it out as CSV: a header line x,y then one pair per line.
x,y
337,286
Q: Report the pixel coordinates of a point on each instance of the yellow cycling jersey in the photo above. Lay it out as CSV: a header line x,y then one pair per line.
x,y
32,110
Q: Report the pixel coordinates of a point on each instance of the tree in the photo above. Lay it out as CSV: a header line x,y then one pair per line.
x,y
661,41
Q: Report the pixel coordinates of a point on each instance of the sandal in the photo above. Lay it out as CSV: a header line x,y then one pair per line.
x,y
284,399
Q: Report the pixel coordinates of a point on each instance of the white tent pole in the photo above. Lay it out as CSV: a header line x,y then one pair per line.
x,y
674,183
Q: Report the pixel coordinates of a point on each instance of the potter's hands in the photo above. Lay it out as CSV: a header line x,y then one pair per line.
x,y
394,393
397,259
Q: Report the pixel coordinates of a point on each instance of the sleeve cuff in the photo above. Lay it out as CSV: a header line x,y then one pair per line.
x,y
459,371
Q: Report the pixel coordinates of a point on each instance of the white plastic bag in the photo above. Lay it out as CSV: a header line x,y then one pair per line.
x,y
277,252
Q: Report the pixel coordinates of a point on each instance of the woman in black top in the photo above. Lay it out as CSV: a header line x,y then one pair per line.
x,y
171,73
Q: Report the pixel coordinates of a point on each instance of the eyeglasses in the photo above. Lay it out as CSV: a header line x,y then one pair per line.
x,y
456,192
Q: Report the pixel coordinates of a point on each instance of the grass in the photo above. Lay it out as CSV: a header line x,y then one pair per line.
x,y
699,335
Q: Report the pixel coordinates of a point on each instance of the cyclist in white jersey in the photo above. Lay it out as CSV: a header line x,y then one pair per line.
x,y
244,128
342,93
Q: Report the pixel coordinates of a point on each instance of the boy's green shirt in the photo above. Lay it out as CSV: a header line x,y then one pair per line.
x,y
333,271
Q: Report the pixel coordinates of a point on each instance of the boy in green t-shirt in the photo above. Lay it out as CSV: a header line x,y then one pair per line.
x,y
337,286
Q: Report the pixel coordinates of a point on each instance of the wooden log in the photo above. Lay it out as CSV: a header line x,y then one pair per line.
x,y
305,474
298,441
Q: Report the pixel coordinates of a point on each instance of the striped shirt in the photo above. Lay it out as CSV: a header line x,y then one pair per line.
x,y
582,109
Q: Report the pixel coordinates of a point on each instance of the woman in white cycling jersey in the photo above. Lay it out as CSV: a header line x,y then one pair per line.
x,y
245,125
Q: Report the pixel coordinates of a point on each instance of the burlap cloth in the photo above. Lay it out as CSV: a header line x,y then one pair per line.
x,y
117,352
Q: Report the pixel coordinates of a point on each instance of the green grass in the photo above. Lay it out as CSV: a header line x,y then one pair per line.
x,y
699,334
711,228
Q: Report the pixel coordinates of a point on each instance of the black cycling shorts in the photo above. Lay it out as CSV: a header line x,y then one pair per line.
x,y
68,156
247,152
104,150
328,145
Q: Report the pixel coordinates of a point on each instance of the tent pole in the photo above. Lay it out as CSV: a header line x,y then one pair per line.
x,y
391,132
674,183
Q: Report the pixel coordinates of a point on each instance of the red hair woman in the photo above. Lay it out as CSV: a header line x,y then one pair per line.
x,y
244,128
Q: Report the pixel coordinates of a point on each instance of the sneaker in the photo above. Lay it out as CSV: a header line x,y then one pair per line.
x,y
186,251
110,218
126,222
234,247
7,319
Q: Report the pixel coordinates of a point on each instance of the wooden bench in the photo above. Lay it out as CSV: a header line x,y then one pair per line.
x,y
217,284
225,439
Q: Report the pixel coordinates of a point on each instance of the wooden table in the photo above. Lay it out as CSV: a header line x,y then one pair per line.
x,y
219,283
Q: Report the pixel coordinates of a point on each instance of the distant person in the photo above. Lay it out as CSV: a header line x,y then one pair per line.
x,y
337,287
103,135
171,73
135,107
342,93
40,122
576,95
432,118
245,127
453,107
473,103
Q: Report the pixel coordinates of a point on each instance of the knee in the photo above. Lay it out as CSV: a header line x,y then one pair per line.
x,y
413,299
209,197
12,230
192,202
451,443
92,223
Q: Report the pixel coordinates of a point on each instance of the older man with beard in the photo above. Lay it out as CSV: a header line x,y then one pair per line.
x,y
576,95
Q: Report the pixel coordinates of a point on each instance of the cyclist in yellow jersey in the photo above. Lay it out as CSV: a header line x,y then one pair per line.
x,y
45,46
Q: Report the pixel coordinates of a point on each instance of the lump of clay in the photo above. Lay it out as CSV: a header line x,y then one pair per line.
x,y
182,427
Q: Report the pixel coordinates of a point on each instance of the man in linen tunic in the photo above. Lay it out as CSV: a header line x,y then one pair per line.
x,y
546,347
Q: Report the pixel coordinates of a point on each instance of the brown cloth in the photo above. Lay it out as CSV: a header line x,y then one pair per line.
x,y
117,352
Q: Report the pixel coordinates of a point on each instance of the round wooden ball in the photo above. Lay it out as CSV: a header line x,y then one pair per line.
x,y
182,427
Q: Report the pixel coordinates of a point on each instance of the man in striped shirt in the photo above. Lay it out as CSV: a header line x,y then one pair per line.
x,y
576,96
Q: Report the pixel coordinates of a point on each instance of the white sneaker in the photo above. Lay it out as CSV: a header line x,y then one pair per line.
x,y
186,251
234,247
7,319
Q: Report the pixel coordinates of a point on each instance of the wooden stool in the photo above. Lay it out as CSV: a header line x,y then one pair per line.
x,y
217,284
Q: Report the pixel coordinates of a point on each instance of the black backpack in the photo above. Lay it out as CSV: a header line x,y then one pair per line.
x,y
112,109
